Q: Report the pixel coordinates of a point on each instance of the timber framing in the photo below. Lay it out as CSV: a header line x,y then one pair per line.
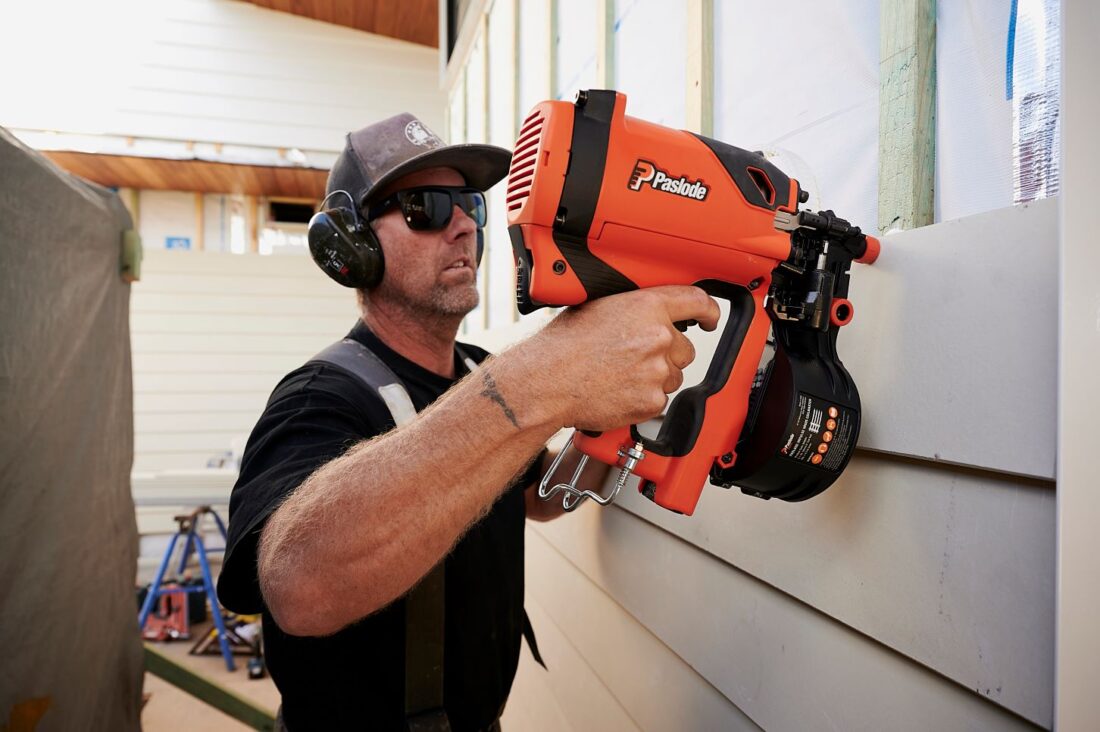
x,y
907,109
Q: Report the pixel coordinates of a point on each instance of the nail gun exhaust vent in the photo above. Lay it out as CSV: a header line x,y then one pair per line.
x,y
524,159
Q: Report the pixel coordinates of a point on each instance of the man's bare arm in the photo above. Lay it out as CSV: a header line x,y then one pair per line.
x,y
365,527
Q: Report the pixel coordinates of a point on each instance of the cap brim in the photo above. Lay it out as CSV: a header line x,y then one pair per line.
x,y
483,166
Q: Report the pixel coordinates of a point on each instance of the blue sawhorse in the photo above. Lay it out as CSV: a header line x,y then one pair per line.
x,y
192,537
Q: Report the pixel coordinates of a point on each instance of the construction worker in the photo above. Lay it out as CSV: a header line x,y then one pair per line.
x,y
336,516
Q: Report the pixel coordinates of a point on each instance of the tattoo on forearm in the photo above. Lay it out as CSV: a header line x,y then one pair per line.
x,y
491,392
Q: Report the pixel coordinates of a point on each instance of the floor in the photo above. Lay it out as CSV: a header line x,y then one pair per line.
x,y
170,709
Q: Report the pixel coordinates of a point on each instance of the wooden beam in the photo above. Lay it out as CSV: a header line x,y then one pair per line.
x,y
464,43
208,691
605,44
483,136
141,173
251,228
907,104
200,223
700,67
408,20
552,29
517,113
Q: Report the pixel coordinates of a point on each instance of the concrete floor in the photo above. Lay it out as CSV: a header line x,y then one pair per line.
x,y
170,709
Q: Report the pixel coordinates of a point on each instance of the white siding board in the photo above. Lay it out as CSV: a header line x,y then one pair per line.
x,y
211,382
584,631
188,363
146,303
236,340
173,422
783,663
954,342
242,279
217,71
287,324
154,461
208,441
952,569
195,78
212,335
196,402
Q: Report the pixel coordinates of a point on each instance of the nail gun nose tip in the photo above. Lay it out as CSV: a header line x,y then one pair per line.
x,y
874,248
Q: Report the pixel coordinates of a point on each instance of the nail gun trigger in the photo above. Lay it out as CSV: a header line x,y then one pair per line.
x,y
683,325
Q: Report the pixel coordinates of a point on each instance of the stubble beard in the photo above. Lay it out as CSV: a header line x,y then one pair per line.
x,y
440,300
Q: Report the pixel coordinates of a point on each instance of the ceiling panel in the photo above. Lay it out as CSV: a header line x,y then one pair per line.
x,y
124,171
416,21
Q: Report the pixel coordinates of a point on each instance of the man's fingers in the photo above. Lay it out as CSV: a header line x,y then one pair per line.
x,y
682,351
685,302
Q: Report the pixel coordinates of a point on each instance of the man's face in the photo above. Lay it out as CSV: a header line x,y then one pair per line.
x,y
428,272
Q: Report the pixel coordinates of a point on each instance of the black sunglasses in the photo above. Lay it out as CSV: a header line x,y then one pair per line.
x,y
429,208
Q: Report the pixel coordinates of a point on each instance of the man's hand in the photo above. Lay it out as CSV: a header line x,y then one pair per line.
x,y
613,361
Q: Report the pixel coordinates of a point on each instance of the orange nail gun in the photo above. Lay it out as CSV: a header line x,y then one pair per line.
x,y
601,203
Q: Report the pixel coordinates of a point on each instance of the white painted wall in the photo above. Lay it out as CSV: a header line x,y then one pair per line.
x,y
167,214
1078,704
215,71
212,334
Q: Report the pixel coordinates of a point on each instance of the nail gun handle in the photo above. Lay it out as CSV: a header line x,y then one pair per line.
x,y
683,422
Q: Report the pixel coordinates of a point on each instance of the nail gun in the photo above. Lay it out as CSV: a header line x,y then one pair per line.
x,y
600,203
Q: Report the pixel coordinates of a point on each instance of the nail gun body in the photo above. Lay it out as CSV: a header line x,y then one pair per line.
x,y
601,203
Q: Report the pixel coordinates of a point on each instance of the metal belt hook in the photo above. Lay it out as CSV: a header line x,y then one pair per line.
x,y
574,496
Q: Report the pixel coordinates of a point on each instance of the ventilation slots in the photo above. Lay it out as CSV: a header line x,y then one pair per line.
x,y
524,157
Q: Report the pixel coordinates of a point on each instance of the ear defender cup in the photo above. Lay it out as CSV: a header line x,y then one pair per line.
x,y
346,249
480,245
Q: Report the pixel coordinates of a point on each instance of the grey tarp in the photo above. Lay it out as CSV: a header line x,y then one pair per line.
x,y
68,536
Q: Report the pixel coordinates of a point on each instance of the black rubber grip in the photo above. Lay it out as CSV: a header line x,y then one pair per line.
x,y
684,420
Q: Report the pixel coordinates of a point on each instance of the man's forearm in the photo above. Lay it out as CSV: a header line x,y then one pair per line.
x,y
367,526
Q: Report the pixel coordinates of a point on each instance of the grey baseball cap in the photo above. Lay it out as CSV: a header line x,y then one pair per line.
x,y
378,154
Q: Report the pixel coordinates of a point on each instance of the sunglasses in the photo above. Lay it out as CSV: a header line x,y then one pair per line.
x,y
429,208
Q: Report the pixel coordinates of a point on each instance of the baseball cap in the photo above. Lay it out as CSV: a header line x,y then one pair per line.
x,y
378,154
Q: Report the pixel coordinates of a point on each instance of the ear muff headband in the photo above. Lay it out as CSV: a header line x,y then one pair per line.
x,y
344,246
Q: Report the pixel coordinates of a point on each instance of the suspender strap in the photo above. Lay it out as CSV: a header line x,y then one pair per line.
x,y
355,358
424,605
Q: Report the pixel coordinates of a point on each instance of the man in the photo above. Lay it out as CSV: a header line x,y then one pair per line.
x,y
336,515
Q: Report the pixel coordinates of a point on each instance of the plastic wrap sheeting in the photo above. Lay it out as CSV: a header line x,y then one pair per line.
x,y
1033,77
68,616
997,97
800,82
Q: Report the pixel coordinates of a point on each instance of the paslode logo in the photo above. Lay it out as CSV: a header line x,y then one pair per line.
x,y
648,172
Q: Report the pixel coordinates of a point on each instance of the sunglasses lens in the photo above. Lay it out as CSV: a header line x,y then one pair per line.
x,y
473,204
429,209
426,210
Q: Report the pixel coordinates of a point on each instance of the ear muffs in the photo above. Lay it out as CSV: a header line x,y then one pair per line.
x,y
345,247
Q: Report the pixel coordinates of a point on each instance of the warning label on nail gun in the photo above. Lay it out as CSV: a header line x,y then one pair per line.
x,y
820,434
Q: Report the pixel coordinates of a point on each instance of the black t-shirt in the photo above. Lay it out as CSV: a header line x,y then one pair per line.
x,y
355,678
